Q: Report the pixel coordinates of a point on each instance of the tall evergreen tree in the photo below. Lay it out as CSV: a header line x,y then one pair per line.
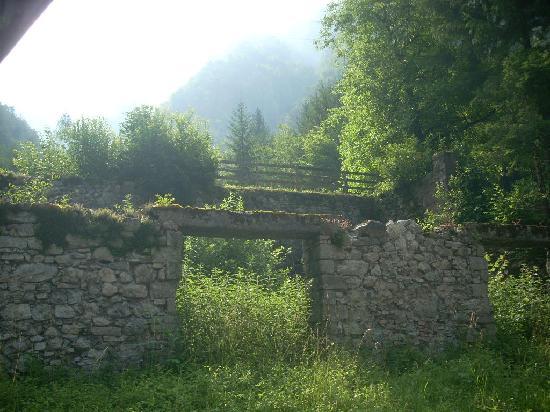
x,y
241,145
259,128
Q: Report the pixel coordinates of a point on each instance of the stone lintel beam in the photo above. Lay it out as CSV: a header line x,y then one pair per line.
x,y
515,236
247,225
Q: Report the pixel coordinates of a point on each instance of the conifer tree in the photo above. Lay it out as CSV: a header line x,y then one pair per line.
x,y
241,145
260,131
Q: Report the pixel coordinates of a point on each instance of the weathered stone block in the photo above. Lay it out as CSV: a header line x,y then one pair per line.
x,y
133,291
108,289
163,290
71,329
35,272
174,239
51,331
22,217
144,273
107,275
23,230
82,343
54,343
135,326
106,330
352,267
326,266
76,242
17,311
41,312
54,250
103,254
64,259
173,270
333,282
13,242
101,321
166,254
72,275
479,290
125,277
118,310
372,228
64,311
477,263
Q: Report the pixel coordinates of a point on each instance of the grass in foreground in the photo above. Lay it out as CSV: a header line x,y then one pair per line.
x,y
505,378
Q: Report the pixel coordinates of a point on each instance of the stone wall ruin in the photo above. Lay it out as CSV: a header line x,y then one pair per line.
x,y
99,295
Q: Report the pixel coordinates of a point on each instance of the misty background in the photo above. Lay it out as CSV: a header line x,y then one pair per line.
x,y
206,58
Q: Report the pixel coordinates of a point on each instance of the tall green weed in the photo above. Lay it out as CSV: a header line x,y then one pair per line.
x,y
521,302
230,317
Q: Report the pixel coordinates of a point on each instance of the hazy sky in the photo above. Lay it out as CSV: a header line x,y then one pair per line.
x,y
103,57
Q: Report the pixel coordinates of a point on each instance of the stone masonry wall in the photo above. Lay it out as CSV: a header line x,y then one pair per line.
x,y
105,195
392,284
94,195
79,303
96,298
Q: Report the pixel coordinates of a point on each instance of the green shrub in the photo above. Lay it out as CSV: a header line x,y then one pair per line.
x,y
230,317
165,152
47,161
30,192
521,303
164,200
90,145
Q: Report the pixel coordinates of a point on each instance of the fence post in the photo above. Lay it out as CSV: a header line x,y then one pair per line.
x,y
345,188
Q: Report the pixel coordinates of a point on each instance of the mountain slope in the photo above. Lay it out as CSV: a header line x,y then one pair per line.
x,y
266,74
13,130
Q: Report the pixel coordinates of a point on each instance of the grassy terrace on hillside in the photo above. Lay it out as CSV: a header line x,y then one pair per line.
x,y
238,188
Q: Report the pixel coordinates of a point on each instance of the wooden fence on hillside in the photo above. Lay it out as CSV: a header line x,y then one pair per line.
x,y
294,176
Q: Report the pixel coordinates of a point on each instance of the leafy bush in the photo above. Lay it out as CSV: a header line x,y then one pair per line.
x,y
47,161
90,146
521,303
30,192
165,152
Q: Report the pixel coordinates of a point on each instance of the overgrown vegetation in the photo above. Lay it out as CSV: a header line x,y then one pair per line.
x,y
520,300
158,150
510,373
247,345
468,77
238,301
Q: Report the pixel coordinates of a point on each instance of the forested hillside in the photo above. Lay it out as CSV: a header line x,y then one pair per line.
x,y
267,74
468,77
13,130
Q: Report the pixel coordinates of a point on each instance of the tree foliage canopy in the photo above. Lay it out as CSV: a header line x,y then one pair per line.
x,y
166,152
431,75
162,152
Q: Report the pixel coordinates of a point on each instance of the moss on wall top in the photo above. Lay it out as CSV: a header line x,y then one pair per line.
x,y
55,222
